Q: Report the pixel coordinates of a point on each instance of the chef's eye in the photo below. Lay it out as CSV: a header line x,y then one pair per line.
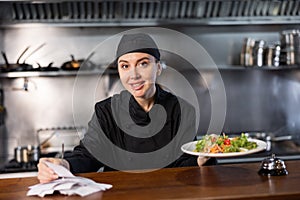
x,y
124,66
143,64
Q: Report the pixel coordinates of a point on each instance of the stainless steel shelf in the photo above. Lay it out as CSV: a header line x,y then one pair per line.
x,y
54,73
239,68
23,74
271,68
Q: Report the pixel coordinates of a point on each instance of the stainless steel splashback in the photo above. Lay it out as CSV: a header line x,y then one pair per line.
x,y
47,104
256,99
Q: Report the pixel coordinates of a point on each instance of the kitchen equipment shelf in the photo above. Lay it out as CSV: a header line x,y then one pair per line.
x,y
114,72
271,68
224,67
54,73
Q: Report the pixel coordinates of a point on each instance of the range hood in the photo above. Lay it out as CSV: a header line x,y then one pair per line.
x,y
150,12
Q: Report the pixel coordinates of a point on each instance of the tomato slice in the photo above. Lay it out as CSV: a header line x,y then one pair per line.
x,y
227,141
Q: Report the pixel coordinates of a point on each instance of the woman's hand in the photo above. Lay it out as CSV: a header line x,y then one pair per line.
x,y
202,160
46,174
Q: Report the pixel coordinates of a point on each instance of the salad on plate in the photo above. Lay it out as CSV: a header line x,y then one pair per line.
x,y
213,143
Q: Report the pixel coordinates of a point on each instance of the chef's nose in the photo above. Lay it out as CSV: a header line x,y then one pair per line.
x,y
134,73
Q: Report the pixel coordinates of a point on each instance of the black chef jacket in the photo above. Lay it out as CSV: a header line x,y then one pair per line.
x,y
104,136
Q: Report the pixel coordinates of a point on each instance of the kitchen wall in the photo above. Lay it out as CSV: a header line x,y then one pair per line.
x,y
256,100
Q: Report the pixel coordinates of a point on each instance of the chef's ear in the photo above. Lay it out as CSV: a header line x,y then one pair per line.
x,y
159,68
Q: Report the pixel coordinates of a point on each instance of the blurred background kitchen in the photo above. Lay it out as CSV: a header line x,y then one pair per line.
x,y
254,43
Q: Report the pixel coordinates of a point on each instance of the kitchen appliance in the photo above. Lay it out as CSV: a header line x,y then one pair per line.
x,y
25,159
50,140
49,145
27,156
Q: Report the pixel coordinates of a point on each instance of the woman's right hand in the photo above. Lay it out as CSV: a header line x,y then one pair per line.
x,y
46,174
202,160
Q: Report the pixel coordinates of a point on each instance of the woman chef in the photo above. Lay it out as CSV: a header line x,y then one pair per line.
x,y
143,127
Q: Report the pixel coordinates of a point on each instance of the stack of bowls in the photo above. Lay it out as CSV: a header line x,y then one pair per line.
x,y
290,47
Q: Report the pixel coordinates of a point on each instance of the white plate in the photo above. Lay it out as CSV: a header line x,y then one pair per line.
x,y
191,146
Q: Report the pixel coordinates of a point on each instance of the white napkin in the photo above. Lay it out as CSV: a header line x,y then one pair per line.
x,y
68,184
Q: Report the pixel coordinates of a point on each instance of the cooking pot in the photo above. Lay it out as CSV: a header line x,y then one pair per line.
x,y
29,154
75,64
272,55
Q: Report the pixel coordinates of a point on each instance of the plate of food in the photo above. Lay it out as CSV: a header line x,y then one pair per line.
x,y
219,146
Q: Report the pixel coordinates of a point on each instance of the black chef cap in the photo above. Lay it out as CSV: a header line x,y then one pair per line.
x,y
138,42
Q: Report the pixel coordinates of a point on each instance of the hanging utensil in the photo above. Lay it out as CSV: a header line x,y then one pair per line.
x,y
17,66
38,48
7,67
49,67
18,60
5,59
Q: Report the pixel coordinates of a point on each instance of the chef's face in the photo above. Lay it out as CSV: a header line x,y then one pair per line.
x,y
138,73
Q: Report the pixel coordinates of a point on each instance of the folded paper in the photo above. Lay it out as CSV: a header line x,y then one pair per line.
x,y
68,184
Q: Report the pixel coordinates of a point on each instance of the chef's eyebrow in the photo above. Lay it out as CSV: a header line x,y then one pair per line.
x,y
139,60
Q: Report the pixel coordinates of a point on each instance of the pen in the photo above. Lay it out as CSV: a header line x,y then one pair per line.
x,y
62,150
62,153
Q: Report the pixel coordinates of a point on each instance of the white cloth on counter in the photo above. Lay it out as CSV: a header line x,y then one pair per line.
x,y
68,184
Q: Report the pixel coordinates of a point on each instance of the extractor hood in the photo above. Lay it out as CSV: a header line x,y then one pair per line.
x,y
150,12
